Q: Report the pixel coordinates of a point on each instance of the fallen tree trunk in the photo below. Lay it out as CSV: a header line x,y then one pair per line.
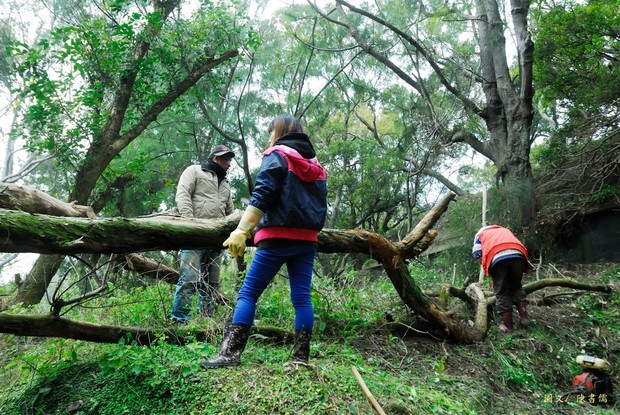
x,y
48,326
24,232
28,199
45,234
388,255
150,268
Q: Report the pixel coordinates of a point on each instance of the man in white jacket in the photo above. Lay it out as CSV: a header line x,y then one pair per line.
x,y
203,192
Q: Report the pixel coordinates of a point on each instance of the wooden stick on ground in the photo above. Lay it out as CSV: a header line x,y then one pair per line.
x,y
371,399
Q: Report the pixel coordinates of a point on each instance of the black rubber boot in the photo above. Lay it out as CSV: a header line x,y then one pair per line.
x,y
523,317
506,325
235,338
301,347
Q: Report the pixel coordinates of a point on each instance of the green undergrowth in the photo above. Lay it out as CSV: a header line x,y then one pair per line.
x,y
167,380
359,324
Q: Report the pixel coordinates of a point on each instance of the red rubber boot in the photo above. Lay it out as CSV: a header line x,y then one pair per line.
x,y
506,325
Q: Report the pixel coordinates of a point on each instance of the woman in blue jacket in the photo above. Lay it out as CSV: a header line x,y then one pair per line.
x,y
288,209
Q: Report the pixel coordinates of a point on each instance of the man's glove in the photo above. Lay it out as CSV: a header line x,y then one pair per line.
x,y
237,238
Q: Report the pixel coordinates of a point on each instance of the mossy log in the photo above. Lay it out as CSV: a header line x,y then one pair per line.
x,y
49,326
27,232
46,234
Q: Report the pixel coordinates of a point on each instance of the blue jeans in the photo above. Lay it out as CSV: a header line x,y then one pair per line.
x,y
199,274
299,260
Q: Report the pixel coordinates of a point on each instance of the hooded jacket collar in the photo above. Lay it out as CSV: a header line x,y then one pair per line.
x,y
300,142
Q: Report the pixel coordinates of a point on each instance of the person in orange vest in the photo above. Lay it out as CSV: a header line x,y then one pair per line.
x,y
505,259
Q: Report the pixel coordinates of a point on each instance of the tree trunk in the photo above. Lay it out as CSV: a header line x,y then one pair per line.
x,y
508,109
46,326
23,232
26,232
36,282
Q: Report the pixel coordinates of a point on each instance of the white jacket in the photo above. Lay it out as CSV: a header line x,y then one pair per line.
x,y
199,196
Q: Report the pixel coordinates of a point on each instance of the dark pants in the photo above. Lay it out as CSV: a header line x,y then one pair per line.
x,y
507,276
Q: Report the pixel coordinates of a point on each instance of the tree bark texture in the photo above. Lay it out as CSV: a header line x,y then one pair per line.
x,y
44,234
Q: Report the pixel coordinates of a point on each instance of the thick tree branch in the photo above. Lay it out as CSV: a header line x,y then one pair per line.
x,y
28,199
424,226
520,9
151,268
462,136
26,232
47,326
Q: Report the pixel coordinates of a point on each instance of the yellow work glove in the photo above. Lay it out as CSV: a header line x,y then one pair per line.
x,y
236,242
237,238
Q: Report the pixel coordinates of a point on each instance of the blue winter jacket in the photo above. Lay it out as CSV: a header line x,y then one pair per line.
x,y
291,189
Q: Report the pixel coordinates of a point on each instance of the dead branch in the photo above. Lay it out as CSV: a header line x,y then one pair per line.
x,y
481,307
567,283
151,268
48,326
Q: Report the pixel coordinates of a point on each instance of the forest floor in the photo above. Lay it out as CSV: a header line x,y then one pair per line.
x,y
527,372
